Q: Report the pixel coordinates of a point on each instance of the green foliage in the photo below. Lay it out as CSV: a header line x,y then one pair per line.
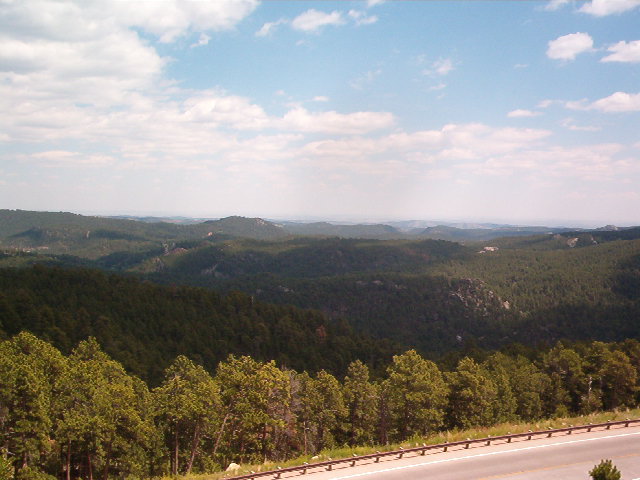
x,y
6,469
30,473
102,422
256,401
82,416
145,326
415,395
473,395
187,405
361,399
605,470
319,409
28,369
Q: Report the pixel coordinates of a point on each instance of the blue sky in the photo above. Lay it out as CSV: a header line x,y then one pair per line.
x,y
514,111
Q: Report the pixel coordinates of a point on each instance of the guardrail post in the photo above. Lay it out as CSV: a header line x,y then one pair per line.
x,y
529,437
488,440
550,432
279,474
509,439
627,422
353,462
329,467
304,470
377,457
468,443
401,453
570,431
445,448
608,424
589,427
424,450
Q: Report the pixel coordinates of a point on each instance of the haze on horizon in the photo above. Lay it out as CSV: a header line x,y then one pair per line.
x,y
479,111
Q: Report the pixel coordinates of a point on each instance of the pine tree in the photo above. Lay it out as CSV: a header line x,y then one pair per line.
x,y
361,399
605,470
415,394
188,403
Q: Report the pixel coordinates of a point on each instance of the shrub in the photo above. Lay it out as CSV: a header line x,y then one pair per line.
x,y
605,470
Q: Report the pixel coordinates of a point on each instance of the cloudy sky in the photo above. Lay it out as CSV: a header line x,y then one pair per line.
x,y
516,111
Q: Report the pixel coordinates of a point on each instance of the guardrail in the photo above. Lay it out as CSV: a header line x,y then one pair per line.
x,y
329,464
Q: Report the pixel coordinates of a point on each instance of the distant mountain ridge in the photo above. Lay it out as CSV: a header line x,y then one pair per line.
x,y
531,286
64,232
93,237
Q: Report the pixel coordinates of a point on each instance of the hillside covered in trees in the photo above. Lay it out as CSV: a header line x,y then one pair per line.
x,y
145,326
147,349
82,415
432,295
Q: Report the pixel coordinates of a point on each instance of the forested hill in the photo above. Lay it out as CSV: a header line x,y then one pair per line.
x,y
145,326
93,237
432,295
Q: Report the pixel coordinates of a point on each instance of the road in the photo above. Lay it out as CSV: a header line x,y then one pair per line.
x,y
564,457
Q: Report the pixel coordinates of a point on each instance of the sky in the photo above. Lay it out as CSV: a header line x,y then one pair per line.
x,y
524,112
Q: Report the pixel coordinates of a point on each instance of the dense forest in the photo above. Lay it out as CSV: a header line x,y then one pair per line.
x,y
141,349
432,295
145,326
82,415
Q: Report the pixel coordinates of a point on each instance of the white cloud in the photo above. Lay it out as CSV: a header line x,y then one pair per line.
x,y
57,158
361,18
582,104
320,98
441,67
170,19
365,79
520,113
553,5
570,125
624,52
600,8
300,119
65,20
269,27
618,102
313,20
545,103
202,41
452,143
590,162
220,110
567,47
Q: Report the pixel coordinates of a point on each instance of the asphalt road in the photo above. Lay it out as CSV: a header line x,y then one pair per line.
x,y
565,457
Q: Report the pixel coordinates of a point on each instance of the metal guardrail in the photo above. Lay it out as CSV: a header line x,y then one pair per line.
x,y
329,464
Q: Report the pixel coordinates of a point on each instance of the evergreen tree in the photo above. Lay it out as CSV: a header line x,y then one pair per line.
x,y
472,396
568,386
28,369
605,470
361,399
188,404
101,425
320,407
256,406
415,394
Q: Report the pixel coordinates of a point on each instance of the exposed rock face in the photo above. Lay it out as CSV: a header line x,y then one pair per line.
x,y
475,295
489,249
